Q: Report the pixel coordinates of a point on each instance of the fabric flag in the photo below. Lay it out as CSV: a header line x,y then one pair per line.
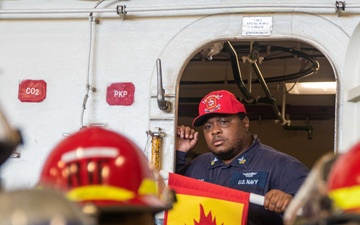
x,y
204,203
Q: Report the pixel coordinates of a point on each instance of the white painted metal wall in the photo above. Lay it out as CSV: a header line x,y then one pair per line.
x,y
50,41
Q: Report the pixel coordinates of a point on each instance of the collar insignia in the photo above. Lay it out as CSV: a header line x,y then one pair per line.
x,y
214,161
242,160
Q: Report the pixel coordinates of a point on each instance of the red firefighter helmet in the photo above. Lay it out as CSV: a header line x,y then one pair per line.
x,y
344,181
102,167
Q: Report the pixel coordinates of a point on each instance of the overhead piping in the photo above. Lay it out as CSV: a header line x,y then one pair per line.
x,y
237,72
239,82
269,98
339,6
261,8
310,71
313,67
55,11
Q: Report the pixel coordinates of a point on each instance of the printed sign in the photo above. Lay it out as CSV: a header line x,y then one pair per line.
x,y
257,26
32,91
120,94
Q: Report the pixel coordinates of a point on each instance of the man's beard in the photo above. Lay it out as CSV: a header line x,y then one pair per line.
x,y
231,153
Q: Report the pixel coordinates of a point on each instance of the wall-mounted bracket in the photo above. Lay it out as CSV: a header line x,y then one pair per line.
x,y
340,6
121,10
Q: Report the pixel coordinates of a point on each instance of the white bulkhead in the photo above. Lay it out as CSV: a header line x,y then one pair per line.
x,y
81,48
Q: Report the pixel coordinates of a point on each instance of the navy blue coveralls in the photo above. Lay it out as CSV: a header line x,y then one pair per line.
x,y
257,170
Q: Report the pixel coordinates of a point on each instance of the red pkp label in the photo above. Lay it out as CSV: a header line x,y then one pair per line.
x,y
32,90
120,93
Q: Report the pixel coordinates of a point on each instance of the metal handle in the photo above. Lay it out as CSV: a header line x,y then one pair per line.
x,y
162,103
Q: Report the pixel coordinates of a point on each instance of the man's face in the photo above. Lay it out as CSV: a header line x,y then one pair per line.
x,y
226,135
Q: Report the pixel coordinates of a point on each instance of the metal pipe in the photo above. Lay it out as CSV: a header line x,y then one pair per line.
x,y
309,129
162,103
283,105
268,94
310,71
55,11
270,7
237,72
244,7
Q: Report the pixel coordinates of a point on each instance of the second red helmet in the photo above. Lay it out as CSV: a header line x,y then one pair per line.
x,y
102,167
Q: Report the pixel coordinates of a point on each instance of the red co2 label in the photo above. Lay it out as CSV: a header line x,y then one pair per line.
x,y
32,90
120,93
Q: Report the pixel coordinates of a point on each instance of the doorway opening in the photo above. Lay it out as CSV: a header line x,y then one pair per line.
x,y
263,75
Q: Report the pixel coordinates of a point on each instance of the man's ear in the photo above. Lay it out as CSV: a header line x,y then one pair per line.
x,y
246,122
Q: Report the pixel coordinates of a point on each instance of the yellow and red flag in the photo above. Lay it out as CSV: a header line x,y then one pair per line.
x,y
203,203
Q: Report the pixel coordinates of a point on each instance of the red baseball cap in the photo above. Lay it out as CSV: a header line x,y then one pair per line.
x,y
218,102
